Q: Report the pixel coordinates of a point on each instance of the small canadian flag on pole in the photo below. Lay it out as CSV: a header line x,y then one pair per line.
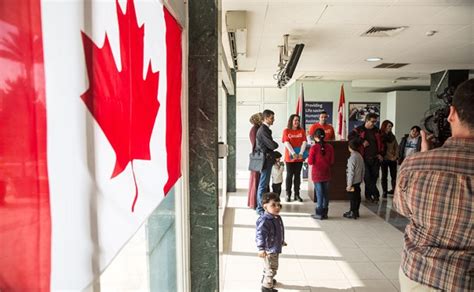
x,y
90,134
341,118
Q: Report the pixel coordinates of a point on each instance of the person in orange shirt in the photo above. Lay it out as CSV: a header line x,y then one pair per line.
x,y
295,146
328,129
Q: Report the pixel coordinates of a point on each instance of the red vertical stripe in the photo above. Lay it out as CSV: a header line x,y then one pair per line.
x,y
25,223
340,117
173,99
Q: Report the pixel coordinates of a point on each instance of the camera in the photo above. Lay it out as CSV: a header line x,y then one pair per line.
x,y
436,121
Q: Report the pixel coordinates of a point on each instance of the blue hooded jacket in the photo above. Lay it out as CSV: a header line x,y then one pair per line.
x,y
270,233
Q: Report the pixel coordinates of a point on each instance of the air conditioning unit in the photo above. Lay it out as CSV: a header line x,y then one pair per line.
x,y
236,24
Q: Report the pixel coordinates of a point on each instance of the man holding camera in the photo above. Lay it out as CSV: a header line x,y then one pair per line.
x,y
435,192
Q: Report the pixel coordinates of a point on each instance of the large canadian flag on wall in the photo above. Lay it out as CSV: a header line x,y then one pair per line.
x,y
90,133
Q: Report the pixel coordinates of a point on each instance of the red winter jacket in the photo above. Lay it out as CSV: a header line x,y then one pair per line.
x,y
360,132
321,170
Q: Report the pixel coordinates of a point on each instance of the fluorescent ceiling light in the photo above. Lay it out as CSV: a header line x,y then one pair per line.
x,y
374,59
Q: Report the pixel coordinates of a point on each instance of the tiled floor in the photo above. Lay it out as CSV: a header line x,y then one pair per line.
x,y
338,254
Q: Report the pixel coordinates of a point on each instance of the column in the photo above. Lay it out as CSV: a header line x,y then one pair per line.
x,y
232,135
203,139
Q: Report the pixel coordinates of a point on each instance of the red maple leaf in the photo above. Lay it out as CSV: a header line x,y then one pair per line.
x,y
123,103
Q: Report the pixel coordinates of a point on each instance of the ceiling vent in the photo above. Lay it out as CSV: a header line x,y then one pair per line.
x,y
312,77
384,31
391,65
407,78
236,24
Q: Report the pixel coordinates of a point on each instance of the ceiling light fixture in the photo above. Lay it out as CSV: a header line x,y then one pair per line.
x,y
374,59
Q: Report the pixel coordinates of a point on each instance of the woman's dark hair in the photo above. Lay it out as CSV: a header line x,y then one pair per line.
x,y
321,134
385,125
386,137
290,121
267,197
277,154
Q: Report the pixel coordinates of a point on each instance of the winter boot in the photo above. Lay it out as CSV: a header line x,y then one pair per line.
x,y
298,198
350,215
325,213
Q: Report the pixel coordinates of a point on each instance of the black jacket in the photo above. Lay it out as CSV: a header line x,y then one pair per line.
x,y
266,144
401,148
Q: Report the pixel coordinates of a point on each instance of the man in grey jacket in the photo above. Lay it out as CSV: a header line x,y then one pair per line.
x,y
265,144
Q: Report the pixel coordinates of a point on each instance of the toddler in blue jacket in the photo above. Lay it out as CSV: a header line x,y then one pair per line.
x,y
270,238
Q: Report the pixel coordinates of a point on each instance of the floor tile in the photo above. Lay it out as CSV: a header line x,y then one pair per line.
x,y
381,254
322,270
373,286
330,285
389,269
361,271
351,254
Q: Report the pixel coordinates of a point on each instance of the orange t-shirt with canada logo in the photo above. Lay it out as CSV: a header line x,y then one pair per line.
x,y
296,139
328,130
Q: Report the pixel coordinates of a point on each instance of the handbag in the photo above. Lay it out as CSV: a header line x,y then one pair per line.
x,y
256,161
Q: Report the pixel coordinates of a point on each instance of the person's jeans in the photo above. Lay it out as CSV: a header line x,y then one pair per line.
x,y
322,189
265,175
386,166
293,172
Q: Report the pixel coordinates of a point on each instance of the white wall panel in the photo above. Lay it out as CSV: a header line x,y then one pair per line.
x,y
274,95
243,115
249,94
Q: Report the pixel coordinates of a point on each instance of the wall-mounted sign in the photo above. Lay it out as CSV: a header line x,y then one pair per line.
x,y
358,111
312,109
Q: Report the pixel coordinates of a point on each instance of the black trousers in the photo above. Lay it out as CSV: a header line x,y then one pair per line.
x,y
276,188
293,173
354,198
386,166
372,169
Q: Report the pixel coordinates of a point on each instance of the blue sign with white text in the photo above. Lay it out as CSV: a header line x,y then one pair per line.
x,y
312,110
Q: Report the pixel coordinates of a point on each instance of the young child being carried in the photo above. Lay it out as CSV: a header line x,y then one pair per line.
x,y
355,175
277,174
270,238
